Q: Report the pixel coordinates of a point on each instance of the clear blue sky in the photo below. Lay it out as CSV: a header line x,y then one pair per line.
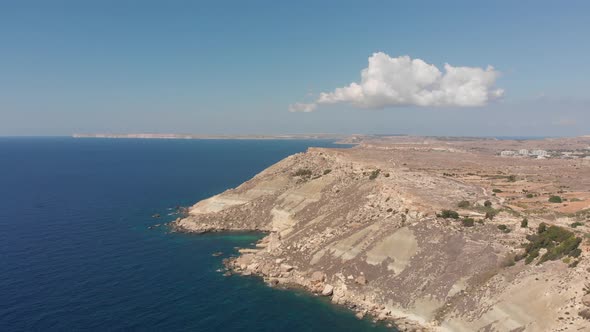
x,y
234,67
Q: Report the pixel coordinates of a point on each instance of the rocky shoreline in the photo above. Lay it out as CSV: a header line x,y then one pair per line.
x,y
277,273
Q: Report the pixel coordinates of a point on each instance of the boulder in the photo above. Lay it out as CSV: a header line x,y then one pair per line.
x,y
361,280
286,268
318,276
328,290
265,268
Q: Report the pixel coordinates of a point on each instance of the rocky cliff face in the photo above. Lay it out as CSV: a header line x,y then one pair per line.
x,y
361,227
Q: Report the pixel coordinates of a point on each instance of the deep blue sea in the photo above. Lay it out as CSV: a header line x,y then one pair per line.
x,y
76,252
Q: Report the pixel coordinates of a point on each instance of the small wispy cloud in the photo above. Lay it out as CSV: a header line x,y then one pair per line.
x,y
302,107
565,122
403,81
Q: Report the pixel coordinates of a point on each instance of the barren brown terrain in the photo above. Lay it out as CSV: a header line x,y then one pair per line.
x,y
438,234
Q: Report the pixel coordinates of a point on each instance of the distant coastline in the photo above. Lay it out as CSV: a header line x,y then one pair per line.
x,y
192,136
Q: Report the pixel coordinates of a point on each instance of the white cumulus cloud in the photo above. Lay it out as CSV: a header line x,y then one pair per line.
x,y
404,81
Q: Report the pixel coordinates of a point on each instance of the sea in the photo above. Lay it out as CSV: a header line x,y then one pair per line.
x,y
77,252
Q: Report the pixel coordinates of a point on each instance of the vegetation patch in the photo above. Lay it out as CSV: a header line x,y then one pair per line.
x,y
463,204
491,214
327,171
448,214
374,174
555,199
524,223
468,222
557,241
497,190
585,314
504,228
304,172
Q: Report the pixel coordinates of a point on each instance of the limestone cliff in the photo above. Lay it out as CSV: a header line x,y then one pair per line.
x,y
360,225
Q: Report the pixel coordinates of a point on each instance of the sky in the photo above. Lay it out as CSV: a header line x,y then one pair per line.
x,y
458,68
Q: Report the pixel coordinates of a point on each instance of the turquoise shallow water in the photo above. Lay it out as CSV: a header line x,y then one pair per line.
x,y
76,252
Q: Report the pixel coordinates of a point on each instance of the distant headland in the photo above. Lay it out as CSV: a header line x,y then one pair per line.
x,y
194,136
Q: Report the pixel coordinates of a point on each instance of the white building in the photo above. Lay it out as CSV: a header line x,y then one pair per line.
x,y
507,153
566,154
523,152
541,153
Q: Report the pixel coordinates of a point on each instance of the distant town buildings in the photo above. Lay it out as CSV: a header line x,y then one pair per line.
x,y
580,153
539,153
544,154
507,153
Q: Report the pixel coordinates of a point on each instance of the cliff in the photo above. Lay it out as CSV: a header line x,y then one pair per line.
x,y
360,225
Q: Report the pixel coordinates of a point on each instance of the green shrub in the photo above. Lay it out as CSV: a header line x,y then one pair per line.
x,y
558,241
326,172
555,199
386,175
504,228
524,223
576,224
463,204
529,196
496,190
374,174
575,253
490,214
511,178
566,247
531,256
448,214
487,204
468,222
